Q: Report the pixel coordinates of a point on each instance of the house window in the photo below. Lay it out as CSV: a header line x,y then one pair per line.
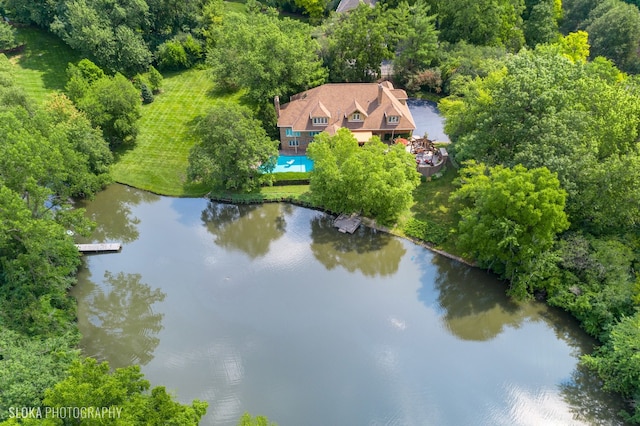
x,y
290,133
320,121
356,116
314,134
294,143
393,119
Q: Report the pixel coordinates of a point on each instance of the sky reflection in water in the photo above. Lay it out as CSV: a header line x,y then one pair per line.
x,y
268,309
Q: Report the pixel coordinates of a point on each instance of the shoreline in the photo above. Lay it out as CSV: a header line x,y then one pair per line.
x,y
366,221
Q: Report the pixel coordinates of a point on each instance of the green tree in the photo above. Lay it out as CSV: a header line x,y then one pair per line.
x,y
39,12
112,103
595,282
155,80
280,59
314,9
172,56
90,384
614,32
29,366
247,420
579,120
357,43
7,36
417,41
376,180
618,362
232,149
509,218
575,46
108,32
484,22
541,25
462,62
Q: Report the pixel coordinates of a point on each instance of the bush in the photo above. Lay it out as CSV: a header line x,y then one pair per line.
x,y
171,56
155,80
147,95
426,231
291,178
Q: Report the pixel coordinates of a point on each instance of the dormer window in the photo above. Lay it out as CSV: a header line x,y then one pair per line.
x,y
356,116
320,121
393,119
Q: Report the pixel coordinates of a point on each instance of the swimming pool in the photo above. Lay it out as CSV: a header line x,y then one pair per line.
x,y
293,163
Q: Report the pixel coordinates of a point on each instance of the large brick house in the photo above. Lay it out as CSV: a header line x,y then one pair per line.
x,y
367,109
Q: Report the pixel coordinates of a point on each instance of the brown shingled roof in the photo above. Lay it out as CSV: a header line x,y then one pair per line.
x,y
338,100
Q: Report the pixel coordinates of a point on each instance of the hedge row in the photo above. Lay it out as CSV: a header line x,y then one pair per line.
x,y
291,178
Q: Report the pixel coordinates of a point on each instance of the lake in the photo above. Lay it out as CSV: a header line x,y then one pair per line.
x,y
268,309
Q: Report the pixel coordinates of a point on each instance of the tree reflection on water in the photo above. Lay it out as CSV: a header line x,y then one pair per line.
x,y
372,253
589,403
120,323
250,228
475,307
111,211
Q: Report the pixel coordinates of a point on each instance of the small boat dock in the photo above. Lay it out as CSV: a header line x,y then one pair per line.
x,y
99,248
346,223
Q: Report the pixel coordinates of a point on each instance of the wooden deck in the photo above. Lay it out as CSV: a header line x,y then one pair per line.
x,y
99,248
346,223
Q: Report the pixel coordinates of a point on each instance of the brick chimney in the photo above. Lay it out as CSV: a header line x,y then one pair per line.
x,y
276,103
380,94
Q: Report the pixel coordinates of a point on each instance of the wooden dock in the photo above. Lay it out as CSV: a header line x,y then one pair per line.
x,y
346,223
99,248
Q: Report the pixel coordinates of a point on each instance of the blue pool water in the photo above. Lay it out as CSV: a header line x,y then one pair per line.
x,y
293,163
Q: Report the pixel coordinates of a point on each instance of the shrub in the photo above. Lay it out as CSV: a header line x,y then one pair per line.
x,y
171,56
426,230
147,95
155,80
291,178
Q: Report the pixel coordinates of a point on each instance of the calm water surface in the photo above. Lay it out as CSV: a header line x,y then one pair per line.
x,y
428,120
268,309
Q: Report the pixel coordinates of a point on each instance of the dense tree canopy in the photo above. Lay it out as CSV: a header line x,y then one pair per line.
x,y
618,361
579,120
232,149
7,36
614,32
356,45
119,35
417,39
375,180
29,366
509,218
483,22
90,384
112,103
280,59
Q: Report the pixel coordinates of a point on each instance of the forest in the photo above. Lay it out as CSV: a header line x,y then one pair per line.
x,y
541,102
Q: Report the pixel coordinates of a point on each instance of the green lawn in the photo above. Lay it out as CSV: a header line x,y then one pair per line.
x,y
431,203
43,63
158,160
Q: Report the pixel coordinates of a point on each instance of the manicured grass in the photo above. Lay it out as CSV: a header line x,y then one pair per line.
x,y
158,161
43,63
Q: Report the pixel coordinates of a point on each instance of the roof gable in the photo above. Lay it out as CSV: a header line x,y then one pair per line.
x,y
338,101
319,111
354,106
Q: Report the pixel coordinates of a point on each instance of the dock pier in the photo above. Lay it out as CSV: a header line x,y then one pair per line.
x,y
346,223
99,248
